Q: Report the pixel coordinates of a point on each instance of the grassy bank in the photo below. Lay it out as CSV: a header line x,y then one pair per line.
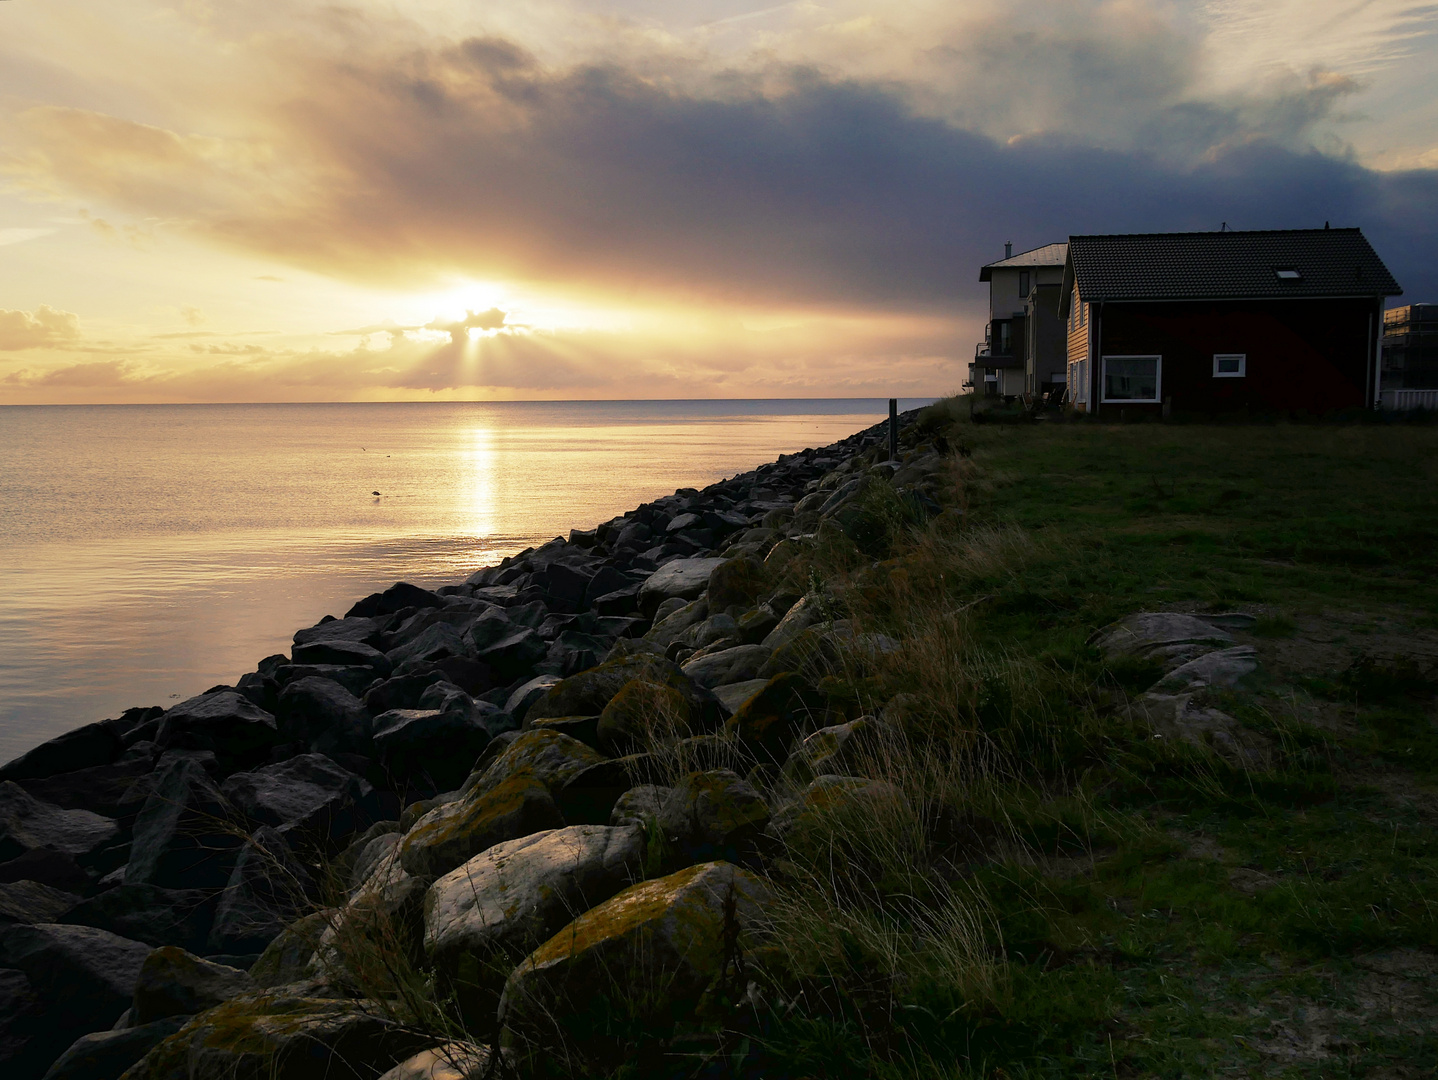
x,y
1073,897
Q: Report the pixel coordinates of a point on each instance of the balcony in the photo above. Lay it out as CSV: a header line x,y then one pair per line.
x,y
984,356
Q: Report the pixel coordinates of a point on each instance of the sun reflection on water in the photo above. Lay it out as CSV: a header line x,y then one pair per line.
x,y
479,481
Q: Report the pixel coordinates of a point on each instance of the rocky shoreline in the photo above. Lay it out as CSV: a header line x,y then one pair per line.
x,y
187,892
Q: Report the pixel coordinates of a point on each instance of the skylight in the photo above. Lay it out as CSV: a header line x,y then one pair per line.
x,y
1287,273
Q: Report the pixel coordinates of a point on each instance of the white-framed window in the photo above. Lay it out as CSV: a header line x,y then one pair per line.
x,y
1230,365
1132,378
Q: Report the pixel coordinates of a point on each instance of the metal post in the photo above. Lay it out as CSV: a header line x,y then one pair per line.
x,y
893,429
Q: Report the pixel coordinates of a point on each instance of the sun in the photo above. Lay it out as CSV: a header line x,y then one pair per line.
x,y
455,302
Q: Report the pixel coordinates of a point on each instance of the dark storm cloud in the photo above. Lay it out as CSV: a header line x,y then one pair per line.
x,y
780,188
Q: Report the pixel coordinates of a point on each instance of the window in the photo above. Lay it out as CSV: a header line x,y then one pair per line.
x,y
1230,365
1023,283
1131,378
1287,273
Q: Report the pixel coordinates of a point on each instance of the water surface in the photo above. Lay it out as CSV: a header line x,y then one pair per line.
x,y
150,552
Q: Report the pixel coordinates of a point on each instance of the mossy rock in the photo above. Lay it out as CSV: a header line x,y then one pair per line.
x,y
586,693
838,750
676,624
736,582
631,968
451,835
551,757
766,725
262,1036
286,958
643,710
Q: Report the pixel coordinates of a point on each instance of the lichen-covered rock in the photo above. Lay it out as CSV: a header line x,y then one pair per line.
x,y
767,723
262,1036
1224,668
288,956
450,1061
104,1055
733,695
173,982
454,833
671,626
737,664
645,957
551,757
804,614
640,712
1185,718
736,582
714,813
837,750
27,824
586,693
1162,635
643,804
484,916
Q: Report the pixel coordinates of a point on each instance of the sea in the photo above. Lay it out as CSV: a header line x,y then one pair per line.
x,y
149,552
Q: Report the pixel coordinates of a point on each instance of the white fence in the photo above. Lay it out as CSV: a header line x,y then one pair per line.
x,y
1403,400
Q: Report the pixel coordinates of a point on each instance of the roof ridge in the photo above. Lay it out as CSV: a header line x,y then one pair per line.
x,y
1217,232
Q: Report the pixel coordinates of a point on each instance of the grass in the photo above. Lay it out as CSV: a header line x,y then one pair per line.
x,y
1139,910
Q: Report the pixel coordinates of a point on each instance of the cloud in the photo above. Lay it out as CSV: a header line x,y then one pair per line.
x,y
102,374
41,328
19,236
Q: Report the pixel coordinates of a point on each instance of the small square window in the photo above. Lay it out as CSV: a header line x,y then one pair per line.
x,y
1230,365
1287,273
1023,283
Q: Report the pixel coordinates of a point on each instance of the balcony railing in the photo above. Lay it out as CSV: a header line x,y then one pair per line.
x,y
1405,400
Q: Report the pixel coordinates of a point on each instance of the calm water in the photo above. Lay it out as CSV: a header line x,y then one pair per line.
x,y
149,552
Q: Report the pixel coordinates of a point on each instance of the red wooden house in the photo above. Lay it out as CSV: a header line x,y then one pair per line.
x,y
1279,321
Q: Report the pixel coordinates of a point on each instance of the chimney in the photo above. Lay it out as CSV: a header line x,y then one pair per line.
x,y
1008,249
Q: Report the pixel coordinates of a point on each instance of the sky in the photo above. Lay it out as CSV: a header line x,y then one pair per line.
x,y
305,201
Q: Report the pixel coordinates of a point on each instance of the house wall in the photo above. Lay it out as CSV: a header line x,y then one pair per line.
x,y
1302,355
1080,374
1047,352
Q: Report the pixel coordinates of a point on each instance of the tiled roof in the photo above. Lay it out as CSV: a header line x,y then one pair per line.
x,y
1048,255
1237,265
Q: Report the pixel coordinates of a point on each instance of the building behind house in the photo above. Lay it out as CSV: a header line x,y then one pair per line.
x,y
1023,348
1410,357
1213,322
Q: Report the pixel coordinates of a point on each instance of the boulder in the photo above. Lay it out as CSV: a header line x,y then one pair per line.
x,y
1162,635
228,723
649,953
323,715
828,801
357,680
104,1055
83,748
486,915
346,653
643,805
375,850
435,642
265,1036
398,596
754,626
31,902
46,867
454,833
766,724
642,712
549,757
685,578
736,582
837,750
587,693
148,913
26,823
514,654
85,977
716,628
449,1061
518,703
101,789
308,797
804,614
433,747
589,796
182,838
733,695
1180,718
714,814
1224,668
173,982
288,957
738,664
363,630
400,691
266,889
